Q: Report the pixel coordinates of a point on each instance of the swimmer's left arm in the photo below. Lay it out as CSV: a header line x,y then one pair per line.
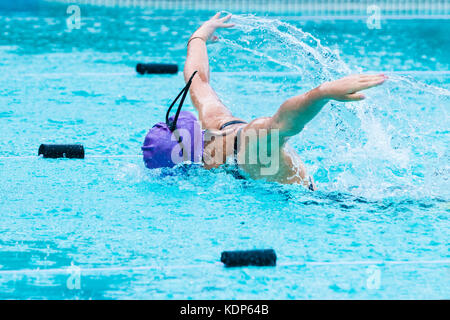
x,y
296,112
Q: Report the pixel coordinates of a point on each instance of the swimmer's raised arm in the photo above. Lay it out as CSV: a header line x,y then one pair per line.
x,y
211,111
197,56
296,112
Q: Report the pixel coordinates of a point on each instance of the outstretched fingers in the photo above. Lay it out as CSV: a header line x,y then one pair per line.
x,y
347,88
373,78
355,96
224,21
366,82
228,25
226,18
372,83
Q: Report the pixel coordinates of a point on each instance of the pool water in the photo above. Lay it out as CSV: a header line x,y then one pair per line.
x,y
105,227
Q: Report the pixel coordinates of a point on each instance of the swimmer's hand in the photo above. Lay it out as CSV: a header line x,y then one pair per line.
x,y
347,89
206,31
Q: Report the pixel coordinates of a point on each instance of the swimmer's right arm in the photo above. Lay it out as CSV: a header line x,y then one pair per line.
x,y
197,55
296,112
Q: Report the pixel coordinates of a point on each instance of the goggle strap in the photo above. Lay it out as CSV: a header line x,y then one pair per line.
x,y
183,92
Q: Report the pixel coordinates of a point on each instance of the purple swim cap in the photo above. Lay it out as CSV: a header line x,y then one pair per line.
x,y
178,139
162,149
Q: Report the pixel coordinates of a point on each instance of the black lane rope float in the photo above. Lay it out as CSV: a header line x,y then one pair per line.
x,y
243,258
156,68
55,151
68,151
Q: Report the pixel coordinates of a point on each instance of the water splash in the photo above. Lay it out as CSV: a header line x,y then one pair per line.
x,y
393,143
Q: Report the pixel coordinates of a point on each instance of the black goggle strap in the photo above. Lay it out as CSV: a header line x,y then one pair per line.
x,y
172,125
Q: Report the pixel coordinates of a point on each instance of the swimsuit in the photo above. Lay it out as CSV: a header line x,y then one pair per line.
x,y
235,169
235,146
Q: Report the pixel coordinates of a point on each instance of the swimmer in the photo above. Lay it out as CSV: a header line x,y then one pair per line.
x,y
258,149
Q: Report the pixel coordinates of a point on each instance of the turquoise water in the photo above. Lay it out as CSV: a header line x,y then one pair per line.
x,y
377,228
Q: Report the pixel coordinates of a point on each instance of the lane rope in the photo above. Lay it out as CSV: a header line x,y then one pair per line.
x,y
98,156
230,73
93,270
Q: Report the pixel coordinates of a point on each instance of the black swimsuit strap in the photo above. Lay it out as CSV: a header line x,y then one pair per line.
x,y
229,123
311,185
236,146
